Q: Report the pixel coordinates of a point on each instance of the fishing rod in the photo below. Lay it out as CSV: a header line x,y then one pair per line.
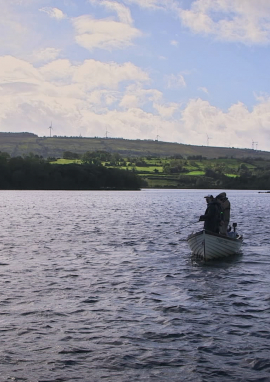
x,y
186,226
167,233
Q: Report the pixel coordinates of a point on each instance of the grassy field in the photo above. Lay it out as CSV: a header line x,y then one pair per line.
x,y
197,173
66,161
154,170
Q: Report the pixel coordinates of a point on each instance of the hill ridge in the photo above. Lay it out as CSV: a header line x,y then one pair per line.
x,y
20,144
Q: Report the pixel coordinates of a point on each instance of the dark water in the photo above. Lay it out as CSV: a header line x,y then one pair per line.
x,y
99,286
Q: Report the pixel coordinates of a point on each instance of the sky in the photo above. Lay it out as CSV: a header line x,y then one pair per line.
x,y
186,71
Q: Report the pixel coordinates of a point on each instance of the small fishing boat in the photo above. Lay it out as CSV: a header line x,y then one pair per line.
x,y
208,245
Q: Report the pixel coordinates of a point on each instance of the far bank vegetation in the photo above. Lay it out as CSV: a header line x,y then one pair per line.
x,y
191,172
105,170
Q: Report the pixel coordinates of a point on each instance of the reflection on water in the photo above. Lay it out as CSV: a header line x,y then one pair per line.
x,y
101,285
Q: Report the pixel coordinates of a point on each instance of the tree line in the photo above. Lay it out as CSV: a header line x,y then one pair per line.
x,y
35,173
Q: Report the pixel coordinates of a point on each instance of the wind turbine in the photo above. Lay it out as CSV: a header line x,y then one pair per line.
x,y
157,136
50,127
106,133
208,139
253,145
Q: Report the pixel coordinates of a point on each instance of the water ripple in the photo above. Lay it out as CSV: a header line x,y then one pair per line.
x,y
101,286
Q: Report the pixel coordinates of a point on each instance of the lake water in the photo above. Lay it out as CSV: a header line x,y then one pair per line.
x,y
100,286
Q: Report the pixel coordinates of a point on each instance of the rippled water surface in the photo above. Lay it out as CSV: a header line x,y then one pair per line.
x,y
100,286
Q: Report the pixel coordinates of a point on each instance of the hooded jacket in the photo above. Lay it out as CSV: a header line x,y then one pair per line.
x,y
211,216
225,210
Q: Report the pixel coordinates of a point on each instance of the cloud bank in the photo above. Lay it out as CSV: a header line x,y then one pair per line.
x,y
59,78
92,97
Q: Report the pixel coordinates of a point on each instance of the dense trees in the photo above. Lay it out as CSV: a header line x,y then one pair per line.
x,y
33,172
213,179
70,155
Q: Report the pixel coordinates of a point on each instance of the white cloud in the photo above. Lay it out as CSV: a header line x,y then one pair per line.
x,y
92,74
58,72
246,21
123,12
166,110
44,55
234,128
103,34
231,20
174,43
153,4
21,29
60,91
14,32
79,98
87,99
175,81
54,13
135,96
203,89
133,123
16,70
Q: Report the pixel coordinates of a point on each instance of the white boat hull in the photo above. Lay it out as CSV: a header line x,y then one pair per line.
x,y
209,245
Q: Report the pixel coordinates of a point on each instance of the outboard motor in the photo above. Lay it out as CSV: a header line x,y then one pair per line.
x,y
234,233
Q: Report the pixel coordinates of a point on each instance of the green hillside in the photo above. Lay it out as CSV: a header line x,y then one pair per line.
x,y
21,144
176,172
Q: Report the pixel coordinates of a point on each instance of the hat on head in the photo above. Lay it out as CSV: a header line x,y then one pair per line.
x,y
209,196
221,195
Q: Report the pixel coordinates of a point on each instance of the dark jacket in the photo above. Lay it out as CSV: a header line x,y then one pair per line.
x,y
211,217
225,209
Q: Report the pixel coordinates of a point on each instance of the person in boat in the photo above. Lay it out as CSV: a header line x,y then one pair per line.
x,y
211,216
225,212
